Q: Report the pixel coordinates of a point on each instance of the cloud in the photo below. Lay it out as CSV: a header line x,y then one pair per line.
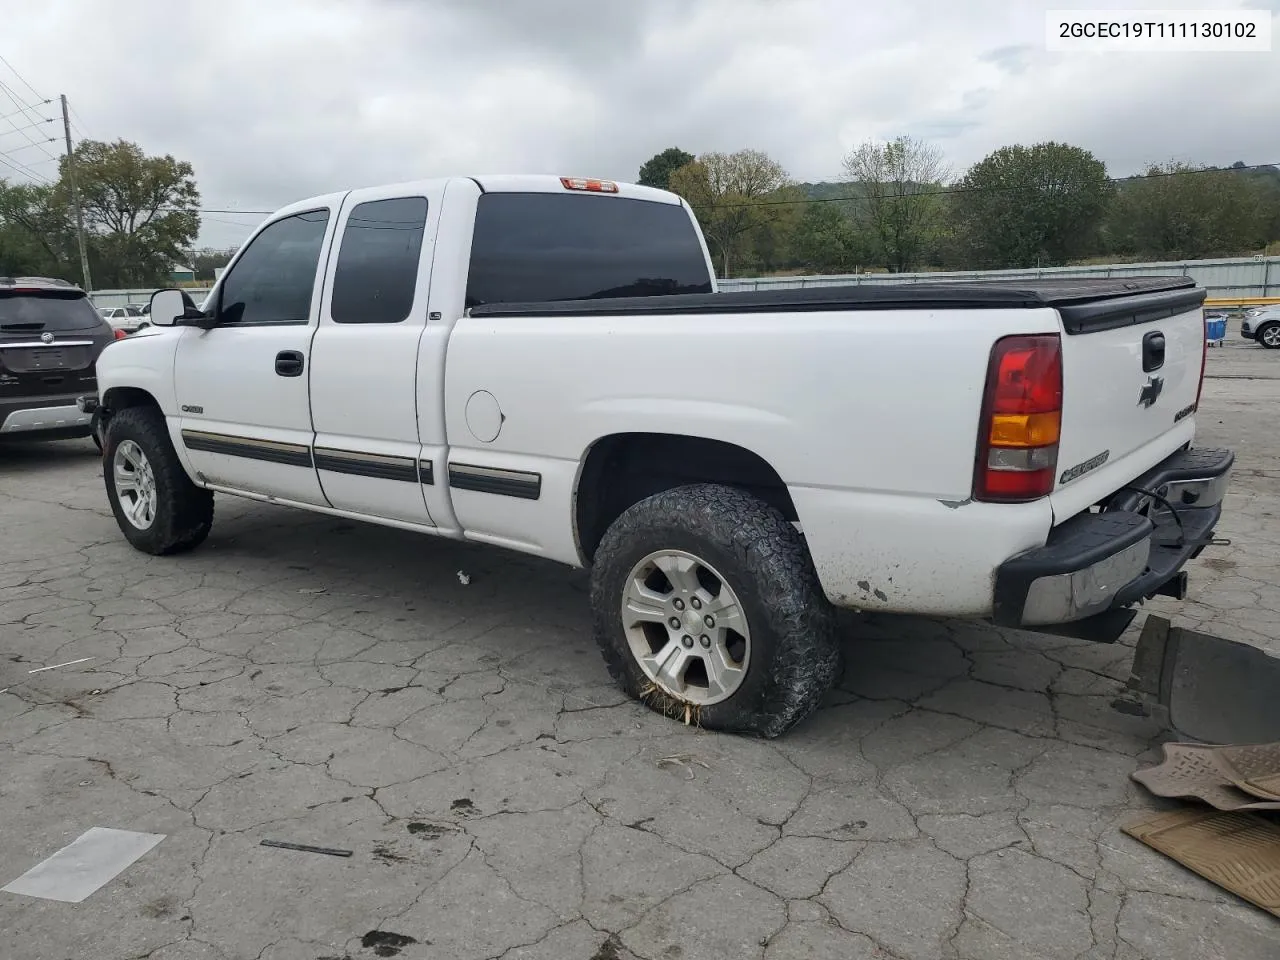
x,y
275,102
1012,58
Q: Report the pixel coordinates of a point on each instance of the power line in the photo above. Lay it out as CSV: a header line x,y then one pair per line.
x,y
227,223
950,191
23,113
30,126
944,191
28,111
43,101
251,213
22,168
81,127
14,71
34,163
28,146
23,107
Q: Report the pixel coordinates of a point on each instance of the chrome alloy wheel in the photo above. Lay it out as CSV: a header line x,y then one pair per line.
x,y
135,484
686,627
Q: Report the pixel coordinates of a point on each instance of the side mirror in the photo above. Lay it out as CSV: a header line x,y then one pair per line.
x,y
172,306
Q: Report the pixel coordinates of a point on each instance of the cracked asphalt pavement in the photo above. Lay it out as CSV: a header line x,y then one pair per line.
x,y
313,681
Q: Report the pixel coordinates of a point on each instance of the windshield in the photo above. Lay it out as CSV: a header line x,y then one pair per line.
x,y
53,312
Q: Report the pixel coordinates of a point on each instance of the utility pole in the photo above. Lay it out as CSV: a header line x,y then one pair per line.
x,y
75,198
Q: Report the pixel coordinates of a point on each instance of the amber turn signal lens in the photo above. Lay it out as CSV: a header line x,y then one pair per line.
x,y
1025,430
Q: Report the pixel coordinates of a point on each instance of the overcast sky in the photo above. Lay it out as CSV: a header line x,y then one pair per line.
x,y
275,101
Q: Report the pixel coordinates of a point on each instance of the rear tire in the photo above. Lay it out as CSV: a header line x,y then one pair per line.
x,y
1269,335
159,510
773,655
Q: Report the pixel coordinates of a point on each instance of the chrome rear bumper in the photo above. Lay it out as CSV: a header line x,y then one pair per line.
x,y
1096,566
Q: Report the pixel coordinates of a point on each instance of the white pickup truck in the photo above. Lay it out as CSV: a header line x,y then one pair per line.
x,y
545,365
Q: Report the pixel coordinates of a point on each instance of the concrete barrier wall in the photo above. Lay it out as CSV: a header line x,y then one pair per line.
x,y
1244,278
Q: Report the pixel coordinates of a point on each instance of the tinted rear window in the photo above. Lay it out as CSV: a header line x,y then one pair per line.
x,y
536,247
36,313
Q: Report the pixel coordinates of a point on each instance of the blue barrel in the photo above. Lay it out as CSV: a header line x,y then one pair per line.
x,y
1215,328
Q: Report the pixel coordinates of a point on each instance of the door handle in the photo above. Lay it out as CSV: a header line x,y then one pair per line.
x,y
289,363
1153,347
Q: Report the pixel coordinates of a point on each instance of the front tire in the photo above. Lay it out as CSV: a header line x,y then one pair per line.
x,y
159,510
1269,335
707,608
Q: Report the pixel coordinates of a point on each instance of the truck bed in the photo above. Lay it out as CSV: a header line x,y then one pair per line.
x,y
1085,304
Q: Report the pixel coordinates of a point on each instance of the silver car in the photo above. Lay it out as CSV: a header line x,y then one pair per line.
x,y
1263,325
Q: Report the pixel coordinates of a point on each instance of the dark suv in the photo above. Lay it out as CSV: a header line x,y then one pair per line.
x,y
50,339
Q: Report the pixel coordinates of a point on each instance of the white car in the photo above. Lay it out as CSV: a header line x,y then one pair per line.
x,y
1262,324
545,365
123,318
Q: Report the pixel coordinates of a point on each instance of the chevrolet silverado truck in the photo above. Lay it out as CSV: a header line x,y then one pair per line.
x,y
544,364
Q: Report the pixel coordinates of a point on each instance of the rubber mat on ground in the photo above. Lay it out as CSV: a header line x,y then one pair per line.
x,y
1239,852
1228,778
1267,787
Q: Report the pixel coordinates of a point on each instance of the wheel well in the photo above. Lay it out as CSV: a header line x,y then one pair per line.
x,y
623,469
122,398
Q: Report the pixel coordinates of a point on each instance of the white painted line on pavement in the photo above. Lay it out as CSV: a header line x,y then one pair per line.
x,y
69,663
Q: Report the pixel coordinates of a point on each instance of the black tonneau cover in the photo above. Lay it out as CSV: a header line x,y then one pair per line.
x,y
1085,304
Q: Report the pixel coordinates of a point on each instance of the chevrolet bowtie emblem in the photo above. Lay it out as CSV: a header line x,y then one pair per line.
x,y
1151,392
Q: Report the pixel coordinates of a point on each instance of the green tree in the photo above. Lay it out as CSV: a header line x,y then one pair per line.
x,y
657,170
142,211
731,195
828,241
1178,211
205,262
35,233
898,184
141,216
1021,206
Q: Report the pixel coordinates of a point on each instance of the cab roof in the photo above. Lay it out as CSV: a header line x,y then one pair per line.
x,y
498,183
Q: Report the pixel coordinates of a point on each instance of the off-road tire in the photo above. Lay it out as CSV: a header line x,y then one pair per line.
x,y
795,651
184,512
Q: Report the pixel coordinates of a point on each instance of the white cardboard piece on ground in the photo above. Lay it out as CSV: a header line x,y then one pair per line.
x,y
86,864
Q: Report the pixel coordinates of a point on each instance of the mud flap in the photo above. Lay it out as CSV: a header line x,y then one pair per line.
x,y
1203,687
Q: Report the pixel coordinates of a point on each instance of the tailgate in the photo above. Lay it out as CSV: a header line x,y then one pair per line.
x,y
1132,368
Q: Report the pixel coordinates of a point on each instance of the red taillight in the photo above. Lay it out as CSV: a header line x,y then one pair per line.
x,y
1021,420
120,334
590,186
